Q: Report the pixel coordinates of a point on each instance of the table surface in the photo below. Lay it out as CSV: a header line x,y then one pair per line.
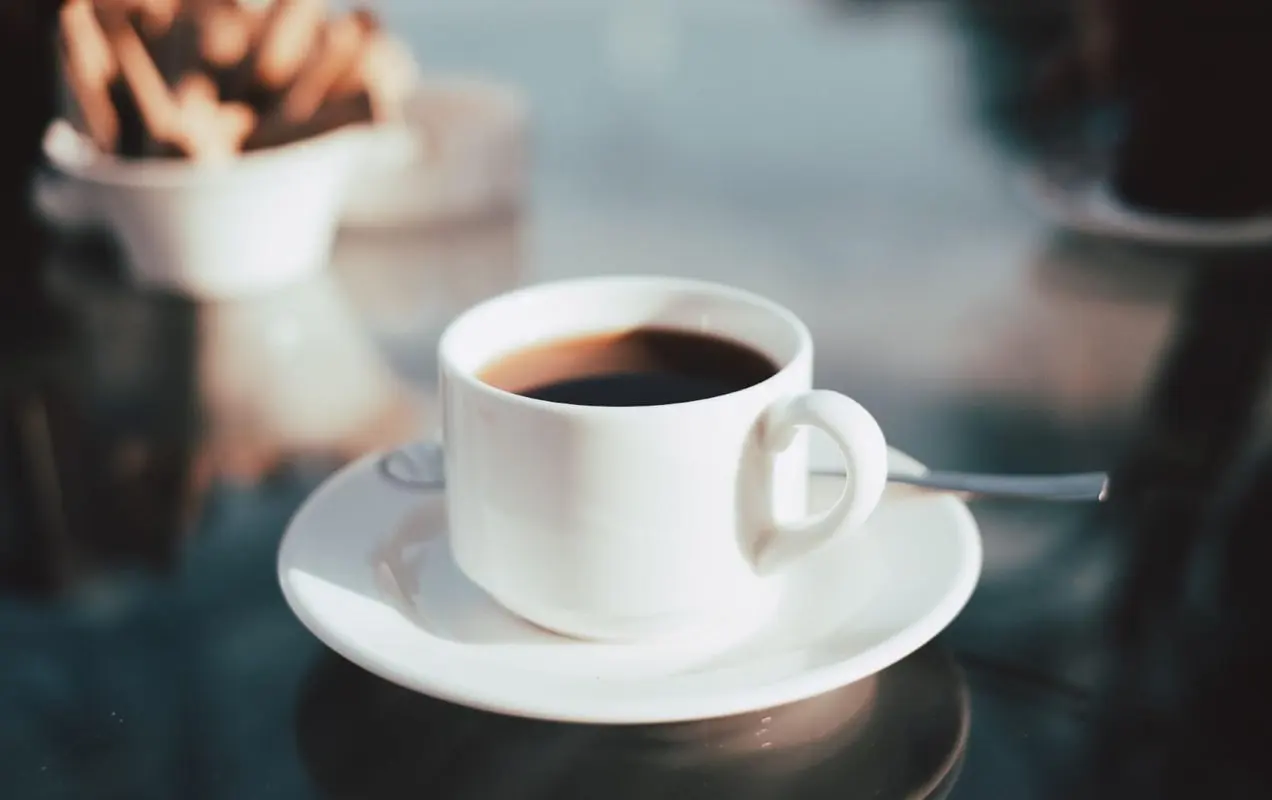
x,y
851,161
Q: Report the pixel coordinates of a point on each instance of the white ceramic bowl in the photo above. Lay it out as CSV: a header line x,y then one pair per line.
x,y
213,231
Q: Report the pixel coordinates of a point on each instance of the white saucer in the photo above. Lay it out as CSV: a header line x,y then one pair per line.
x,y
366,567
1085,203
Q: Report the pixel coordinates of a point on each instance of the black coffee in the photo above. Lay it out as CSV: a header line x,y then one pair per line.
x,y
642,367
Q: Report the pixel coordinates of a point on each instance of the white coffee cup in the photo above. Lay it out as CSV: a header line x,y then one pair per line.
x,y
624,523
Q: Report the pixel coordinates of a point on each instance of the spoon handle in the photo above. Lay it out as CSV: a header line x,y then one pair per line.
x,y
421,466
1079,487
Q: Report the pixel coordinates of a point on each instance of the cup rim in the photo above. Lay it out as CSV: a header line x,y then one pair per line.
x,y
471,382
110,170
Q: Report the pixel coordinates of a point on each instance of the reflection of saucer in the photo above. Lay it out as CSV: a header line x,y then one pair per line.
x,y
900,733
366,567
1082,201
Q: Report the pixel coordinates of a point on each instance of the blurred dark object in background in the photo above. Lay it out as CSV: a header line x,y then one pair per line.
x,y
1192,77
28,64
100,440
1170,92
30,337
1034,69
1187,708
1168,96
90,479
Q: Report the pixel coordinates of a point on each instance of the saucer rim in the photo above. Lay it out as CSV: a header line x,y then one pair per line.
x,y
810,683
1088,206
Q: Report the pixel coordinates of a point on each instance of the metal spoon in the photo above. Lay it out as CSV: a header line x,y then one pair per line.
x,y
421,466
1077,487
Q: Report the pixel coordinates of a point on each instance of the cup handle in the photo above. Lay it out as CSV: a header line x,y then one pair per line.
x,y
865,453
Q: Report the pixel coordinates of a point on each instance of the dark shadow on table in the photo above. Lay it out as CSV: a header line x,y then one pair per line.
x,y
900,734
100,438
1185,708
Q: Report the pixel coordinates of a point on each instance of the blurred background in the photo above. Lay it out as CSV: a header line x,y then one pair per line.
x,y
1029,236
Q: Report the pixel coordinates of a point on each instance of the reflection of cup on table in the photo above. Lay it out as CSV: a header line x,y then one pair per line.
x,y
219,229
292,375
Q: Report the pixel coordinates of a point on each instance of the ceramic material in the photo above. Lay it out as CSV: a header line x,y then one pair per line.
x,y
1084,202
217,230
422,465
459,153
367,567
626,523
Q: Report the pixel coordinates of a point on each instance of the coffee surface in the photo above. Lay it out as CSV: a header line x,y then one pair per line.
x,y
641,367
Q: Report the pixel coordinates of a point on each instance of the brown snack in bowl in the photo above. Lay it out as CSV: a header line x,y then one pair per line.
x,y
155,17
175,50
89,68
385,72
152,17
228,32
289,36
154,102
207,128
192,118
207,78
165,38
352,109
135,140
195,88
342,43
164,27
